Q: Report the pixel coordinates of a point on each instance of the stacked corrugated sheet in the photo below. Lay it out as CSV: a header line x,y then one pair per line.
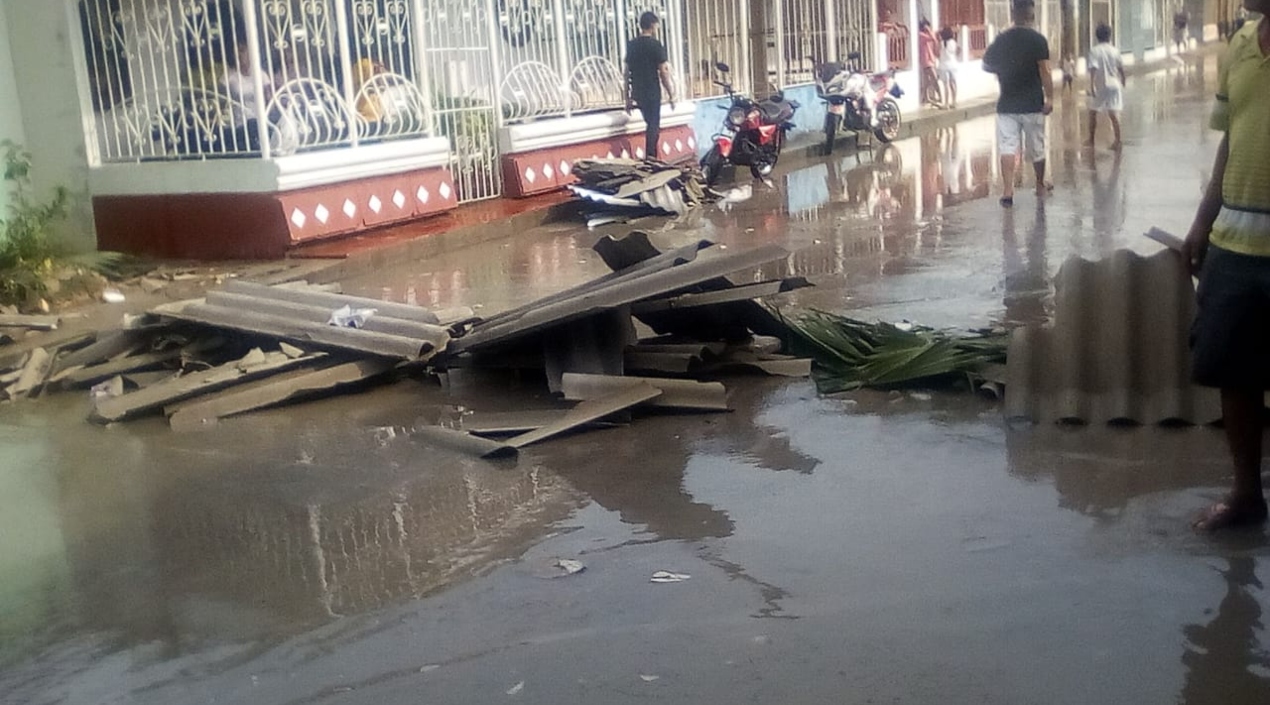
x,y
624,187
1118,348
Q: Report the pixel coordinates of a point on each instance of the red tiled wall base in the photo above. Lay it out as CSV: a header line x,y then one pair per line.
x,y
531,173
219,226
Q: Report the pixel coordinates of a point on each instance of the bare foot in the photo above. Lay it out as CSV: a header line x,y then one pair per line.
x,y
1044,189
1231,514
1117,146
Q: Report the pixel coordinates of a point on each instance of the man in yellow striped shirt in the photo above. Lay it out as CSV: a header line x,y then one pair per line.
x,y
1228,247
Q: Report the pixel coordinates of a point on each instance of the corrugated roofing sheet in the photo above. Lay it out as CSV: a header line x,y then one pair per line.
x,y
1118,348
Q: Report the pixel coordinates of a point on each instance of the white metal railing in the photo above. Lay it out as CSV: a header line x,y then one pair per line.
x,y
179,79
199,79
716,31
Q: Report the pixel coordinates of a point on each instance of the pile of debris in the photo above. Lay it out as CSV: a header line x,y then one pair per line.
x,y
250,346
615,189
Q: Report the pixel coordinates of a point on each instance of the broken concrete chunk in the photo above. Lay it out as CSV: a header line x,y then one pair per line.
x,y
255,358
290,351
33,374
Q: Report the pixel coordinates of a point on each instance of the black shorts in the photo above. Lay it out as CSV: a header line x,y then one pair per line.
x,y
1230,338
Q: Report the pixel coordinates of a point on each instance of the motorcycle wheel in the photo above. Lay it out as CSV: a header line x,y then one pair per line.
x,y
766,164
888,118
711,165
831,131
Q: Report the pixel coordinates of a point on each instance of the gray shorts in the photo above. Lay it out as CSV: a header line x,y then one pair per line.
x,y
1230,338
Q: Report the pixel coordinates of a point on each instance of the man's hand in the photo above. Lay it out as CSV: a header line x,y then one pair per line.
x,y
1047,108
672,103
630,106
1195,248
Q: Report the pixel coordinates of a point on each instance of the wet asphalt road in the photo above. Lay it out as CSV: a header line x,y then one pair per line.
x,y
882,548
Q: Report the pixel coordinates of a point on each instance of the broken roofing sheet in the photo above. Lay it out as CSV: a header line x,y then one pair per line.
x,y
654,279
1118,349
301,315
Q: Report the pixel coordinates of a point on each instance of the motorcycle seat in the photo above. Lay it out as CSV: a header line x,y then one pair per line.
x,y
777,112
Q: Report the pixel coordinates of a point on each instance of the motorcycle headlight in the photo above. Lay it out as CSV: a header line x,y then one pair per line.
x,y
736,117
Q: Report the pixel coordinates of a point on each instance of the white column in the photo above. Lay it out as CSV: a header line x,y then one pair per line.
x,y
746,68
881,53
495,59
79,56
831,33
963,44
778,6
258,78
346,61
562,55
422,78
914,16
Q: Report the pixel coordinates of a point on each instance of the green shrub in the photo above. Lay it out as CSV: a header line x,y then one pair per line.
x,y
30,255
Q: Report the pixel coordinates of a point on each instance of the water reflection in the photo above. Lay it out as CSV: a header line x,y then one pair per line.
x,y
1224,660
1025,267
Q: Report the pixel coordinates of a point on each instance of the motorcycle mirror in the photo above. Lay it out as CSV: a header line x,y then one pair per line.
x,y
722,67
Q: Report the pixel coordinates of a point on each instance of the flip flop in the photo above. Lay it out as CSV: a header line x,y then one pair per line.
x,y
1223,515
1007,202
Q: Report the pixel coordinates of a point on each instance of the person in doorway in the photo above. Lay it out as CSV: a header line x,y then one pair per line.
x,y
1020,58
1181,20
1228,247
647,73
928,51
949,61
1106,85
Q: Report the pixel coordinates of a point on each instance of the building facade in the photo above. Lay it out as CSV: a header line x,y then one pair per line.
x,y
242,128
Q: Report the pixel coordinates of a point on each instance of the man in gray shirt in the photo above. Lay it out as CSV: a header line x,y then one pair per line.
x,y
1020,57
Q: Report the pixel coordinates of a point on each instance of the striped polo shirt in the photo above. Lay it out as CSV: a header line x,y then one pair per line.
x,y
1243,112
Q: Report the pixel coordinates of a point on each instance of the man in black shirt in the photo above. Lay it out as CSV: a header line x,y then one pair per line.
x,y
647,72
1020,57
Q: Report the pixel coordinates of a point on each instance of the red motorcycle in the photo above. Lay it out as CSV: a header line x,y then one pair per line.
x,y
753,133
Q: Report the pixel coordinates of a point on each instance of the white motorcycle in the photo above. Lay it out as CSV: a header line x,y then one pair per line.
x,y
858,101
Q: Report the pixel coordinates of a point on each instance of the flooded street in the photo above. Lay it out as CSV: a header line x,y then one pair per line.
x,y
903,547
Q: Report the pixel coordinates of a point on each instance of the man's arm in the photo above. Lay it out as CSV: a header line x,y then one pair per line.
x,y
1196,244
1047,84
663,73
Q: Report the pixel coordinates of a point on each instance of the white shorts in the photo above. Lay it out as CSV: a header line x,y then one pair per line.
x,y
1109,99
1016,130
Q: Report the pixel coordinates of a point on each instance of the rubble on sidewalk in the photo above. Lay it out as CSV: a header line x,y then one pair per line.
x,y
672,317
616,188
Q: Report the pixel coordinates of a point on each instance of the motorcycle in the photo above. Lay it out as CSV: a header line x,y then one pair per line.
x,y
753,132
858,101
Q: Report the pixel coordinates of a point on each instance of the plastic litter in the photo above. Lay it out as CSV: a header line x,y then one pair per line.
x,y
649,678
515,689
113,296
665,576
349,317
568,566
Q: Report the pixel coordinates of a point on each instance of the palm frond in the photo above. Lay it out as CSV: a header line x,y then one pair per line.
x,y
851,354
